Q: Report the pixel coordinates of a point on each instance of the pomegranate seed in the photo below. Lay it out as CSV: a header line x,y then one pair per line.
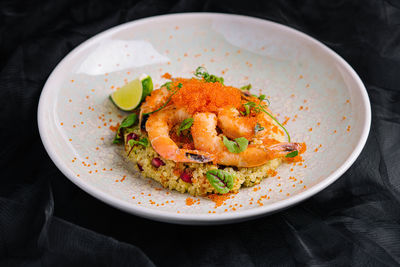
x,y
157,162
140,167
131,136
186,177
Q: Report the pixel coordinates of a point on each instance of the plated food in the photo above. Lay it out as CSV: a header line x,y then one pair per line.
x,y
314,93
200,136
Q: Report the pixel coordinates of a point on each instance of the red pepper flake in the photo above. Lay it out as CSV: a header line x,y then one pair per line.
x,y
310,130
62,124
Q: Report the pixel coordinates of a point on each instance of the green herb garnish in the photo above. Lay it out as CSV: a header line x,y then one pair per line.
x,y
143,142
129,121
258,108
246,87
167,85
237,145
179,86
186,124
258,128
221,180
202,72
272,117
247,106
261,97
292,154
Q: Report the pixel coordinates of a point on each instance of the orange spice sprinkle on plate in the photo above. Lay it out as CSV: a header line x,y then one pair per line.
x,y
219,199
189,201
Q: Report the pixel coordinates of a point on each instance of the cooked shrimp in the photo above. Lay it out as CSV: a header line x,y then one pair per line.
x,y
155,100
233,125
205,138
158,127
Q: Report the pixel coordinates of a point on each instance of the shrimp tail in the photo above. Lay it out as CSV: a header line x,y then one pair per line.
x,y
282,149
142,121
202,157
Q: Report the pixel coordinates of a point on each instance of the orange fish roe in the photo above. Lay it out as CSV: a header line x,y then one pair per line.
x,y
189,201
219,199
200,96
166,76
114,128
272,172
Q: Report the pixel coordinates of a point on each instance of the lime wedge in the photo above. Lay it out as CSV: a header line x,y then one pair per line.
x,y
129,96
147,84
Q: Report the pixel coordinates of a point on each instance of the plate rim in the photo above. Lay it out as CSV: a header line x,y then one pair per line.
x,y
198,219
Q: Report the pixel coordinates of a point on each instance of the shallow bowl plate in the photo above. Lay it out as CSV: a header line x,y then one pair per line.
x,y
313,90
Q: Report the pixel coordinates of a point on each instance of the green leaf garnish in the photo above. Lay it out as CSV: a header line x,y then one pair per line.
x,y
292,154
186,124
261,97
129,121
237,145
221,180
202,72
143,141
258,128
246,87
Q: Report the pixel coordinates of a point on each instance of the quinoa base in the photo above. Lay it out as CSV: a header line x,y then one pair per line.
x,y
168,175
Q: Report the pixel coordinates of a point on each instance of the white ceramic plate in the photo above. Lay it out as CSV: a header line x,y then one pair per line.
x,y
313,89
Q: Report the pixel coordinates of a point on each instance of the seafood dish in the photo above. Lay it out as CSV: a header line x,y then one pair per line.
x,y
200,136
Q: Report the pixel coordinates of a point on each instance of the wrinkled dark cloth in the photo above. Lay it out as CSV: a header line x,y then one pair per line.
x,y
45,220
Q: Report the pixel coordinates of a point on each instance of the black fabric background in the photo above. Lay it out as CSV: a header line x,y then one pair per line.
x,y
45,220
